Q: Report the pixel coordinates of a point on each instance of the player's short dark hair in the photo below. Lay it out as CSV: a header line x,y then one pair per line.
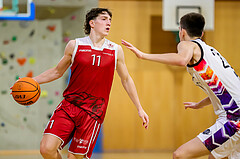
x,y
193,23
92,14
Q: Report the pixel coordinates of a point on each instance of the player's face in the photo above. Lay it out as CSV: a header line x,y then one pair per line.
x,y
102,24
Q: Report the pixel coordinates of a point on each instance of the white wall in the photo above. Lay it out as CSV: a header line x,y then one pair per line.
x,y
21,127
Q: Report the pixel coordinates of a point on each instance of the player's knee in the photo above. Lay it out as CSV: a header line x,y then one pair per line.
x,y
46,150
178,154
72,156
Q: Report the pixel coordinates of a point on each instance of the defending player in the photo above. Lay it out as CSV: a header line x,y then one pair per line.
x,y
216,77
79,116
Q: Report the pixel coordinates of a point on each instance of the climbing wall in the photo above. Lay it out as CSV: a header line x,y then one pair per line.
x,y
28,49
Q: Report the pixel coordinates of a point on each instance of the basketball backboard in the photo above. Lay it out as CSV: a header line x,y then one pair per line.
x,y
9,10
173,10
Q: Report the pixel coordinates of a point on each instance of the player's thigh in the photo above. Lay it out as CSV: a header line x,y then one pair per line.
x,y
192,148
50,142
72,156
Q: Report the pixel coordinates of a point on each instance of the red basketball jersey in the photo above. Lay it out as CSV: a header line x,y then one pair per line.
x,y
92,72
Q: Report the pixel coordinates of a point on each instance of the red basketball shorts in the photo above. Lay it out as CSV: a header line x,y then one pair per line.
x,y
71,122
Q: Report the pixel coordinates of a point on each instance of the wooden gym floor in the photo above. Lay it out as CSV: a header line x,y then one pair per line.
x,y
112,155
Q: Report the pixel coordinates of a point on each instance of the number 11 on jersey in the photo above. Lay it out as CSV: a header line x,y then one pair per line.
x,y
94,59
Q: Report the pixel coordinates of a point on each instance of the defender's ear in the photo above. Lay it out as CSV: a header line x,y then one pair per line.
x,y
184,32
202,34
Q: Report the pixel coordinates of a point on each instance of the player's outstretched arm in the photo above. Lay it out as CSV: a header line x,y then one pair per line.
x,y
199,105
182,58
58,71
129,86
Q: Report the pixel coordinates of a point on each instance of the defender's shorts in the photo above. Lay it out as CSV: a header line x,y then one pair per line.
x,y
71,122
222,139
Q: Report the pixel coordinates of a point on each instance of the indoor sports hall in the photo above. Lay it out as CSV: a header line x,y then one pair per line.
x,y
34,34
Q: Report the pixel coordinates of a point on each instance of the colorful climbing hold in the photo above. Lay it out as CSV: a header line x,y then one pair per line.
x,y
50,102
44,94
32,33
21,61
51,27
30,74
4,61
32,60
14,38
11,56
2,124
17,77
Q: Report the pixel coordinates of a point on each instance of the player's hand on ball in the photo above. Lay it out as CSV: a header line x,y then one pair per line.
x,y
26,91
12,86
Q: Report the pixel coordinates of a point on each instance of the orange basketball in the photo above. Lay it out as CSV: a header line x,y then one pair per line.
x,y
26,91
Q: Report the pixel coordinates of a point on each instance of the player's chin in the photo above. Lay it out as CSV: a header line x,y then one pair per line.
x,y
106,33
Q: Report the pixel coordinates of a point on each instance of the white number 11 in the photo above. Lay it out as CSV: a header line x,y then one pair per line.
x,y
94,58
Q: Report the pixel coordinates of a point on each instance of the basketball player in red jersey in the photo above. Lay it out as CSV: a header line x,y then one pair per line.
x,y
79,116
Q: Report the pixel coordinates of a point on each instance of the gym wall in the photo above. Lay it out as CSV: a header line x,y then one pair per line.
x,y
161,89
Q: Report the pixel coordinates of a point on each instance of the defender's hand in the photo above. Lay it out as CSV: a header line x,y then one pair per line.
x,y
138,53
192,105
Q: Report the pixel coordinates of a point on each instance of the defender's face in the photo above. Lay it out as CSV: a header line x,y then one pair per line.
x,y
102,24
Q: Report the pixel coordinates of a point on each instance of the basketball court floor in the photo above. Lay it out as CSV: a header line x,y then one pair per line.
x,y
112,155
